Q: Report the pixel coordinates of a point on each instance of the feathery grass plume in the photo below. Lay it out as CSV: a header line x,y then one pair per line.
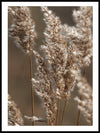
x,y
22,28
14,114
42,86
53,31
85,103
56,49
66,50
79,49
70,65
80,36
80,39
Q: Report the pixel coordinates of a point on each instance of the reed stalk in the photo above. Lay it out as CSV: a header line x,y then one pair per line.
x,y
78,116
32,91
57,114
63,112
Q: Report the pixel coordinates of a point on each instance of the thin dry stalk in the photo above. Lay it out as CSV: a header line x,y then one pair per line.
x,y
78,116
57,114
32,91
63,112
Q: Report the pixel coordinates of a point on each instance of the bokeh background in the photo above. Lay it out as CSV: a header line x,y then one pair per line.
x,y
19,86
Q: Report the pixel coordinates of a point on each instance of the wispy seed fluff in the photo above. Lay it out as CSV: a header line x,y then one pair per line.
x,y
80,36
14,114
22,28
42,86
85,104
35,119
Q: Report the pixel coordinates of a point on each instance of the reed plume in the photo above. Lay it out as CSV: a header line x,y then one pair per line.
x,y
43,88
80,36
23,30
55,48
56,52
85,103
14,114
68,48
66,51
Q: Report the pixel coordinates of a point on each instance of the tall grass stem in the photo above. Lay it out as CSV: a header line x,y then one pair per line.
x,y
32,92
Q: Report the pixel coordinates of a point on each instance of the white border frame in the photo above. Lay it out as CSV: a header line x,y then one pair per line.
x,y
5,126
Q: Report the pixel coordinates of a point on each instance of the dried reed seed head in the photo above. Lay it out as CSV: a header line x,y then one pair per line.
x,y
85,104
14,114
69,78
80,36
62,61
53,32
22,28
85,14
20,12
43,90
55,49
42,86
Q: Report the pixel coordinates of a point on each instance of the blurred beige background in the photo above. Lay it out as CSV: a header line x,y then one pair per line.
x,y
18,71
